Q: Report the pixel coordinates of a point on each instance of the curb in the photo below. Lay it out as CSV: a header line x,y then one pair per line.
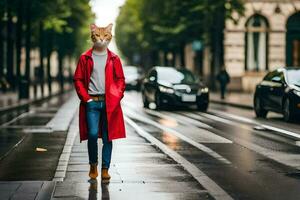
x,y
62,165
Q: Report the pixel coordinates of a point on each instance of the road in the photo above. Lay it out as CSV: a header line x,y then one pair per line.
x,y
248,158
232,154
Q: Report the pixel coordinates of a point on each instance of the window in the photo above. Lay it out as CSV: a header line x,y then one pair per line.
x,y
293,40
256,41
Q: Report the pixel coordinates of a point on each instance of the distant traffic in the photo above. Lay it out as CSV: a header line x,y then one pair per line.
x,y
168,87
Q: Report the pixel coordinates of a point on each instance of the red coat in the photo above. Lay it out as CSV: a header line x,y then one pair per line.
x,y
114,92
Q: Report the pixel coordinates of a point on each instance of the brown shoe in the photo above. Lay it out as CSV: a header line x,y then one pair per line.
x,y
105,175
93,171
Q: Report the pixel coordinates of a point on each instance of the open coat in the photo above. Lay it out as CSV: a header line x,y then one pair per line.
x,y
114,92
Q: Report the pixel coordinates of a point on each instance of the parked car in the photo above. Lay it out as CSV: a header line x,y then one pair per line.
x,y
279,92
168,86
132,77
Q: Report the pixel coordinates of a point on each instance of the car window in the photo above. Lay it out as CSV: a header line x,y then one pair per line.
x,y
274,76
278,77
293,77
174,76
269,76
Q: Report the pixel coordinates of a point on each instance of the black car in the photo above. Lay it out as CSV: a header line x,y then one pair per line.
x,y
279,91
132,77
170,86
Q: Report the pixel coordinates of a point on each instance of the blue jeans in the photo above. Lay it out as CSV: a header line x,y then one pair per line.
x,y
95,111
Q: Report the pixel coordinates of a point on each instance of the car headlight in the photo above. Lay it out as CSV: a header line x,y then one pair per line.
x,y
203,90
296,92
166,90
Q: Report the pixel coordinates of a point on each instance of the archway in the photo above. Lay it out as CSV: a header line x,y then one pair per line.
x,y
256,43
293,40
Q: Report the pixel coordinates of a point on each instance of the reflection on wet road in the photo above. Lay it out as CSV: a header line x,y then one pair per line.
x,y
21,132
225,144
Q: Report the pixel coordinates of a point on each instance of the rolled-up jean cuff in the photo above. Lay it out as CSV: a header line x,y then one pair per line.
x,y
104,167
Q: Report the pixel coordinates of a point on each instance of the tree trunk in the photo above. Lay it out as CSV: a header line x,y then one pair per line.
x,y
41,71
166,58
182,55
60,71
10,49
49,51
173,60
1,48
19,38
28,48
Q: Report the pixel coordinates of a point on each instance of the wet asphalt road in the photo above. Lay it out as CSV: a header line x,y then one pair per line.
x,y
249,158
19,159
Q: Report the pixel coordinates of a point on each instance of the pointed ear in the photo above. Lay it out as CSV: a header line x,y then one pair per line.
x,y
93,27
109,27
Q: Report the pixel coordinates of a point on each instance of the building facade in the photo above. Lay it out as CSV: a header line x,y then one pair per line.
x,y
265,38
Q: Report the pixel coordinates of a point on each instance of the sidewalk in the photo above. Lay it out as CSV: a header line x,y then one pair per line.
x,y
9,100
138,170
237,99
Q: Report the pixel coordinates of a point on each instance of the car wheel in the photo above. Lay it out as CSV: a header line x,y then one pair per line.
x,y
258,108
287,111
202,107
145,101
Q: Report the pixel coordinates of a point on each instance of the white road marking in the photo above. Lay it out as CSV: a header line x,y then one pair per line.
x,y
214,138
288,159
215,190
167,115
213,117
243,119
201,147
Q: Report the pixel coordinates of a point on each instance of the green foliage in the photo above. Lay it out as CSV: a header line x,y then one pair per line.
x,y
75,33
67,20
129,34
167,25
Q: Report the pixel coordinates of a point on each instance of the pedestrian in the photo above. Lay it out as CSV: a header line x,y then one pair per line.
x,y
223,78
99,82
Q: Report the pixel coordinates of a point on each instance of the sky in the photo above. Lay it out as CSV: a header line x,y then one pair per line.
x,y
106,12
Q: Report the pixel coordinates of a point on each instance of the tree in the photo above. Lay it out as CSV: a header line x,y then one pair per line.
x,y
167,26
129,34
48,25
